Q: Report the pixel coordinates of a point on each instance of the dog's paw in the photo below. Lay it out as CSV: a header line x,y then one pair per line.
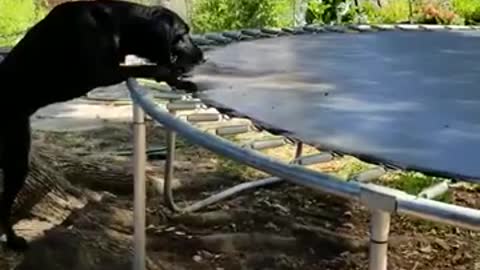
x,y
17,243
186,86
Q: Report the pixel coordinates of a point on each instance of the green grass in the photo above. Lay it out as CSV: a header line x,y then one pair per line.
x,y
16,16
413,183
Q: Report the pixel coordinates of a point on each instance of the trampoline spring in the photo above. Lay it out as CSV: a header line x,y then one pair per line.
x,y
184,105
336,28
267,144
458,27
203,117
271,31
201,41
294,31
232,35
313,159
232,130
361,27
314,28
370,175
218,38
408,27
383,27
170,96
255,33
432,27
435,190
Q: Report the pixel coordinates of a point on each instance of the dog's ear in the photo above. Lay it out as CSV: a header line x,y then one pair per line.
x,y
164,29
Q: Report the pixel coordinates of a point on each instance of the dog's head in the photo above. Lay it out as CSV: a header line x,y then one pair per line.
x,y
171,43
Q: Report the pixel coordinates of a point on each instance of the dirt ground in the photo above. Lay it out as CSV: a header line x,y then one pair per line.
x,y
279,227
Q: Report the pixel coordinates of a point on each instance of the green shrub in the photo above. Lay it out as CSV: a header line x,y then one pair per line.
x,y
370,11
394,12
325,12
316,11
468,9
219,15
436,12
16,16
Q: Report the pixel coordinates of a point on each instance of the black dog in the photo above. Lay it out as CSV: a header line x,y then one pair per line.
x,y
77,47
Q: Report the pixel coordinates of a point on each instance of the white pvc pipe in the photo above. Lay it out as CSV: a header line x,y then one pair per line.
x,y
379,230
139,161
435,191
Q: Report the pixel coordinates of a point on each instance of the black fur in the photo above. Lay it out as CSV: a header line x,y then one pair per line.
x,y
77,47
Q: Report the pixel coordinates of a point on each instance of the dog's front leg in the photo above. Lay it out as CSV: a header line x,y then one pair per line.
x,y
160,74
15,154
111,76
148,72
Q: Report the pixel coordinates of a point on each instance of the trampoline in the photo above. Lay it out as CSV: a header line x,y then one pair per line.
x,y
402,97
407,99
399,96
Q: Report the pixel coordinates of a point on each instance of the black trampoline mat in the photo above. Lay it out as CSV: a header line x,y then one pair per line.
x,y
404,98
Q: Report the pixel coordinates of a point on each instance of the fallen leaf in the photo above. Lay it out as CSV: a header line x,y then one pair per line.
x,y
197,258
426,249
442,244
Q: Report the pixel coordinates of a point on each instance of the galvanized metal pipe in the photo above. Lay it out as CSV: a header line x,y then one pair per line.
x,y
169,169
139,157
439,212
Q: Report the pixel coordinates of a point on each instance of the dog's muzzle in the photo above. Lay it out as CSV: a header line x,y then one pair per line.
x,y
182,67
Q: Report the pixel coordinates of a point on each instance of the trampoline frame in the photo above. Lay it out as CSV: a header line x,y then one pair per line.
x,y
382,201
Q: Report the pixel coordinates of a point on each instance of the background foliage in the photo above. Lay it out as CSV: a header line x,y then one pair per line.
x,y
215,15
16,16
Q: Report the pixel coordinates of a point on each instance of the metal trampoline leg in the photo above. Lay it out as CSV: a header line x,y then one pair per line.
x,y
379,230
168,177
139,162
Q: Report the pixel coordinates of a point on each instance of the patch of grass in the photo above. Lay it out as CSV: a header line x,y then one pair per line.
x,y
413,183
233,169
351,168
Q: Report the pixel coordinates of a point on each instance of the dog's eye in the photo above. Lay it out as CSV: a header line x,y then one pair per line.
x,y
177,39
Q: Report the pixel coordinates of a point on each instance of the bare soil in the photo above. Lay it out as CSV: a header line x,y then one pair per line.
x,y
280,227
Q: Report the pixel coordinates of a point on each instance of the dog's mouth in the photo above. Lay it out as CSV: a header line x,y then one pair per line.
x,y
182,68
